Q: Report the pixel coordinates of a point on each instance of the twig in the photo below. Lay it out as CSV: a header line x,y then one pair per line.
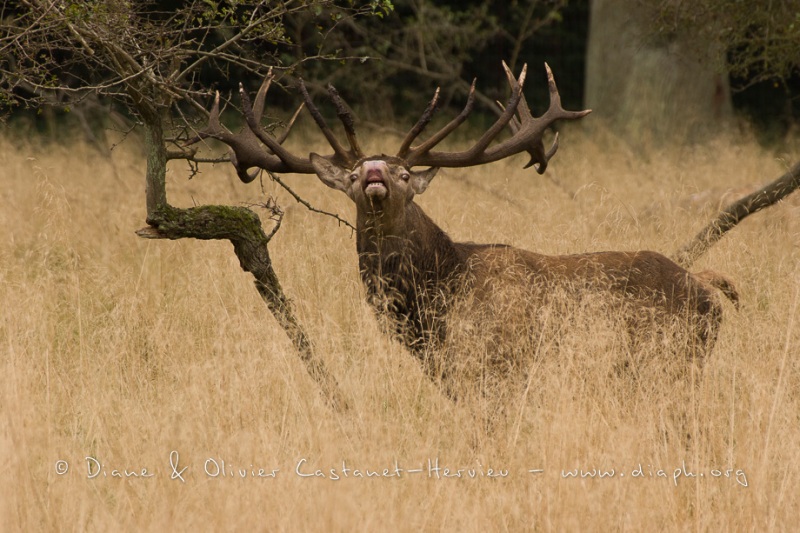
x,y
308,206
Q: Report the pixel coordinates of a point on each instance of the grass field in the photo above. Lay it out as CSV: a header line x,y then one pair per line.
x,y
159,358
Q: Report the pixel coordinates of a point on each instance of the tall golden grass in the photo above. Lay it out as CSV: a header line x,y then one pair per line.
x,y
139,354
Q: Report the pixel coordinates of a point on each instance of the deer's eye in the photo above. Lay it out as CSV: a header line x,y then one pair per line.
x,y
405,176
354,176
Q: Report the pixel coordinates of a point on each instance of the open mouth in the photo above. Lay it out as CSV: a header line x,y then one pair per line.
x,y
375,185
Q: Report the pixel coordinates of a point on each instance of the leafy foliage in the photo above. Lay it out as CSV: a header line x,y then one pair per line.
x,y
150,54
171,52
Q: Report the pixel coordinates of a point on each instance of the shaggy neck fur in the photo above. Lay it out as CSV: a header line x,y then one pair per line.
x,y
411,269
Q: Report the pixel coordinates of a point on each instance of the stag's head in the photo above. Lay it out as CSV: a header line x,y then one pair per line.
x,y
377,184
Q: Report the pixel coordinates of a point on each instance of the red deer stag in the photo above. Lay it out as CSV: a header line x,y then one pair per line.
x,y
419,278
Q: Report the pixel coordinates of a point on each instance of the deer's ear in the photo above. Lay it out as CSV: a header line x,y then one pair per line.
x,y
331,175
420,179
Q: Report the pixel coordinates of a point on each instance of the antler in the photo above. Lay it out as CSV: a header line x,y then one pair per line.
x,y
254,147
245,150
527,131
341,157
246,146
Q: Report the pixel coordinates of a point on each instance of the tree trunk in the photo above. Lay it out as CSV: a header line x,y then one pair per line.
x,y
242,227
648,86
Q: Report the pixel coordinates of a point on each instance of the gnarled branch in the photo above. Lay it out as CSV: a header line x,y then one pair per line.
x,y
242,227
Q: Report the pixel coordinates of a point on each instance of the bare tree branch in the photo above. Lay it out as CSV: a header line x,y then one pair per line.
x,y
729,217
277,179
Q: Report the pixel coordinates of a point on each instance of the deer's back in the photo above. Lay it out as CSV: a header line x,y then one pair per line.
x,y
646,277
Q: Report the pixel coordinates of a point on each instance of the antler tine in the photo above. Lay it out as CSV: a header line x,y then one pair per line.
x,y
422,154
522,108
244,150
423,149
341,156
526,131
213,117
346,118
213,129
508,113
288,162
554,112
258,110
290,124
423,121
260,103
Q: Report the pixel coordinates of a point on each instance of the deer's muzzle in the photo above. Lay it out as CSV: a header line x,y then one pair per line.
x,y
375,184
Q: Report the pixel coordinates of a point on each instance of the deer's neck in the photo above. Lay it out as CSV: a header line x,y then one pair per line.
x,y
410,268
410,238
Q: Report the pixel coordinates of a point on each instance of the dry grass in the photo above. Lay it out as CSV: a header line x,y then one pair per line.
x,y
126,350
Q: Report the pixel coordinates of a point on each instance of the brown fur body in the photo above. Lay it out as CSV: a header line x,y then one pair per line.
x,y
418,278
415,277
